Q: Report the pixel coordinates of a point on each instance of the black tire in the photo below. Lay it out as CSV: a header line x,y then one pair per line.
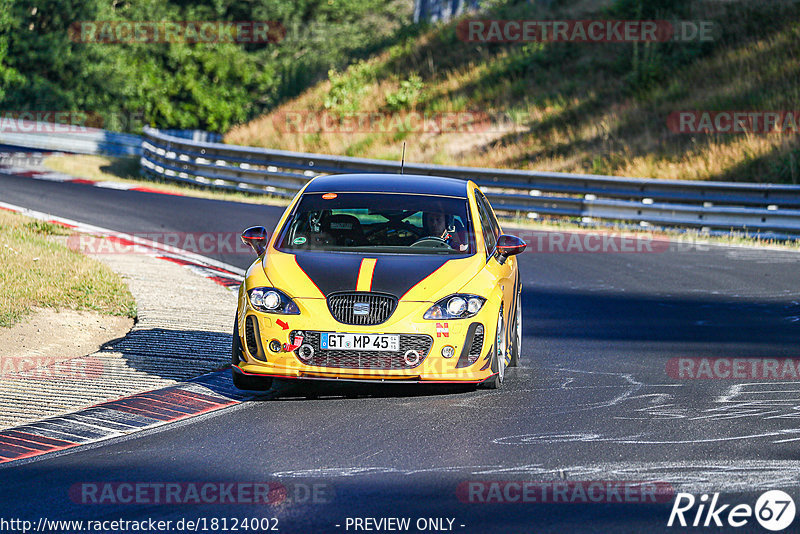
x,y
242,381
499,349
515,350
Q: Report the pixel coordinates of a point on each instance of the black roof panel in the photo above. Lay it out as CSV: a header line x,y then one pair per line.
x,y
388,183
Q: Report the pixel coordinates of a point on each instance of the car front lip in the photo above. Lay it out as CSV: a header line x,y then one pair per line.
x,y
434,367
344,376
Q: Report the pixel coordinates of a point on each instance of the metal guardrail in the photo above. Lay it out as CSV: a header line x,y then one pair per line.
x,y
753,208
77,139
773,209
68,138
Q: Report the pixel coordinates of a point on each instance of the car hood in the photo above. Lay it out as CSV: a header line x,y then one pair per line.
x,y
412,277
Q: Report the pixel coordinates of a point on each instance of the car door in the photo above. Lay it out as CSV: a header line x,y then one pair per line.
x,y
505,273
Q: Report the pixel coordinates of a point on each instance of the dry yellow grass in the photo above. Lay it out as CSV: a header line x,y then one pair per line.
x,y
37,271
574,111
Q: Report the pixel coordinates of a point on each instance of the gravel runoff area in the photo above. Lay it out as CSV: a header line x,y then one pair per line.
x,y
183,330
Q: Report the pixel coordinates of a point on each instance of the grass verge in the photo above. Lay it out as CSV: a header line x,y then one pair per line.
x,y
38,271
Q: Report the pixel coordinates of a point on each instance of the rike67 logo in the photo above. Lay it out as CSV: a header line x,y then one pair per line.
x,y
774,510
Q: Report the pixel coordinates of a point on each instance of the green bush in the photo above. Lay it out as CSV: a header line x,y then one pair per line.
x,y
348,87
407,95
210,86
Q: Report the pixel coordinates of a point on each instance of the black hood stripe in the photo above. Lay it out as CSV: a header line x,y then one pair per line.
x,y
330,272
395,275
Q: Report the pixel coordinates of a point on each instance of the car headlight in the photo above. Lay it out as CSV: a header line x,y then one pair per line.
x,y
271,300
455,307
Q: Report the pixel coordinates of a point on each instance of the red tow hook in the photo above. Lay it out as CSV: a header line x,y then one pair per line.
x,y
298,340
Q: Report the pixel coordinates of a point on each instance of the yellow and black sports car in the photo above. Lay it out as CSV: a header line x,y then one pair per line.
x,y
376,277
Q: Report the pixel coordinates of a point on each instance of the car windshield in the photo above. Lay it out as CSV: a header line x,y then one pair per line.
x,y
379,222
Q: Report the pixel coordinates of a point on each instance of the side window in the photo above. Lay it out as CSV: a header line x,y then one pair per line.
x,y
489,237
490,214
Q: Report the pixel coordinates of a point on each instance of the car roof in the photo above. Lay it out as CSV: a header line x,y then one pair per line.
x,y
388,183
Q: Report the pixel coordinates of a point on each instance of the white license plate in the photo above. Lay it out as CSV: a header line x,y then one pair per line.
x,y
335,341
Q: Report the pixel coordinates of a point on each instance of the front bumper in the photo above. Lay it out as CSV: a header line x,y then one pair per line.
x,y
470,342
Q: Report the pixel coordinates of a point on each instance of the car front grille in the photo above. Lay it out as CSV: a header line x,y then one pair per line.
x,y
361,307
366,359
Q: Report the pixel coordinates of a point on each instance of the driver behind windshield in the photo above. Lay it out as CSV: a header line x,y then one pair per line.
x,y
383,222
441,226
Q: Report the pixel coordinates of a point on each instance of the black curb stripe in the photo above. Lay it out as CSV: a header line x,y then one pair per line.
x,y
108,414
5,449
161,406
7,440
50,433
158,416
106,423
35,438
68,427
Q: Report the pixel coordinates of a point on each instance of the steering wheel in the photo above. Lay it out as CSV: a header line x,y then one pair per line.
x,y
396,226
431,242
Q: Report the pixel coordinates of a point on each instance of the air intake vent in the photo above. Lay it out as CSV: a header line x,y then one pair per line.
x,y
476,346
473,344
251,336
361,308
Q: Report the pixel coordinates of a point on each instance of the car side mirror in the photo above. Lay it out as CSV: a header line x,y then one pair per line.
x,y
256,237
508,245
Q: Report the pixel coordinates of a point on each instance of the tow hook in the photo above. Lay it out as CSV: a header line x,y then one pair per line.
x,y
298,340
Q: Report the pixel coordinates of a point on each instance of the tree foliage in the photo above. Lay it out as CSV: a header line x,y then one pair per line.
x,y
208,86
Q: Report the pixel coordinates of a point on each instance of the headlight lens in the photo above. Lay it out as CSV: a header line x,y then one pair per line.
x,y
271,300
474,305
455,307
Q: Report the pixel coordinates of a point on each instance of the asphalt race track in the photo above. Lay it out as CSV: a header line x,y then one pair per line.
x,y
591,401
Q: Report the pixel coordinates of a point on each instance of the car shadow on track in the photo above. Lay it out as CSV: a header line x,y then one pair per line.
x,y
195,355
173,354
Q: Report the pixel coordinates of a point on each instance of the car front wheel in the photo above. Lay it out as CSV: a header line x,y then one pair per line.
x,y
515,351
499,363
